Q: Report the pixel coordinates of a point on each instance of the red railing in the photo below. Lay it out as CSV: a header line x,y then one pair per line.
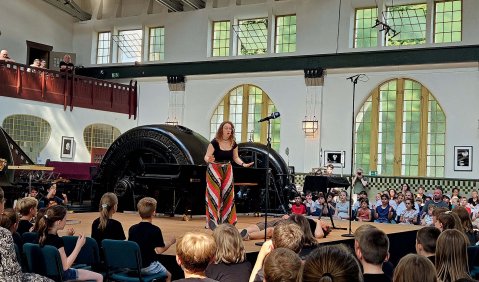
x,y
48,86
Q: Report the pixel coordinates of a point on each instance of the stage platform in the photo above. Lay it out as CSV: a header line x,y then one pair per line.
x,y
402,237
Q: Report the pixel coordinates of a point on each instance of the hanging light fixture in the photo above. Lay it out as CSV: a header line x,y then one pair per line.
x,y
313,78
176,104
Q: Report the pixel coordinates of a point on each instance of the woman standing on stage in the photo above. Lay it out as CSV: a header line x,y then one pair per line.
x,y
220,206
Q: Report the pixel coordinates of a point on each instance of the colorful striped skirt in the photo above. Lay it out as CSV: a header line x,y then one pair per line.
x,y
220,194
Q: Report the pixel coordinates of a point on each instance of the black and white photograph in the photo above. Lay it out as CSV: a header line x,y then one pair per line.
x,y
336,158
67,147
463,158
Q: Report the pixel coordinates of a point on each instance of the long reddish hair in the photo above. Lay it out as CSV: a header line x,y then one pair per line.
x,y
219,132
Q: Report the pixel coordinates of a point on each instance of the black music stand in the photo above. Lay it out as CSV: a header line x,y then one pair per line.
x,y
268,176
324,184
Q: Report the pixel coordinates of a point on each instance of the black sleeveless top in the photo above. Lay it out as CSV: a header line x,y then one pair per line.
x,y
220,155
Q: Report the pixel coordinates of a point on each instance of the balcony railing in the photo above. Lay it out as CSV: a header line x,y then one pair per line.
x,y
70,90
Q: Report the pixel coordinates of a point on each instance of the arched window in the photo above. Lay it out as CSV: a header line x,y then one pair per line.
x,y
100,136
244,106
400,130
31,133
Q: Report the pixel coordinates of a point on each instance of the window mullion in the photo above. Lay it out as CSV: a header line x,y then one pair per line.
x,y
244,114
226,113
398,130
264,112
373,147
422,166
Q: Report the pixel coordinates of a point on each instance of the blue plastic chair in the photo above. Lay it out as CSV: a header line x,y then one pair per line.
x,y
89,255
30,237
473,260
123,262
45,261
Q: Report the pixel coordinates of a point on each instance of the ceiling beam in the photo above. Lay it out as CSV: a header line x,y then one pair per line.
x,y
196,4
172,5
399,57
71,8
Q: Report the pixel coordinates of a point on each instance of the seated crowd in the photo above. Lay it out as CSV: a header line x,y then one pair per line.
x,y
292,254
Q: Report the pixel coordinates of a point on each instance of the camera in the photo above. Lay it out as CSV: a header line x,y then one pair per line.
x,y
359,173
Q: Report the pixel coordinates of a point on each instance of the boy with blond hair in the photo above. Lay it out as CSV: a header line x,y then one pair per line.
x,y
150,239
27,207
194,252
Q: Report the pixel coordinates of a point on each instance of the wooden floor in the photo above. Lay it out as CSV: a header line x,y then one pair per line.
x,y
175,227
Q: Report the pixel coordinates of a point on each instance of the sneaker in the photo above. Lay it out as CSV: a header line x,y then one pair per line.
x,y
212,225
244,234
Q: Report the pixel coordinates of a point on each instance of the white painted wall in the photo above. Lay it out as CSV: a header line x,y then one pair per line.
x,y
64,123
36,21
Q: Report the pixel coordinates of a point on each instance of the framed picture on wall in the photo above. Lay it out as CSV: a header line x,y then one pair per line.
x,y
463,158
67,147
336,158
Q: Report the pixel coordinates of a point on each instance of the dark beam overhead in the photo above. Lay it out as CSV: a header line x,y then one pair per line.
x,y
70,7
416,56
172,5
196,4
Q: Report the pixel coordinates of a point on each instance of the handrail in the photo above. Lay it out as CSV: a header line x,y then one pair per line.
x,y
70,90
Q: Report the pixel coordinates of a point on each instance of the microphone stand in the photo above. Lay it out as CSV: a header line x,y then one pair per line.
x,y
267,182
354,80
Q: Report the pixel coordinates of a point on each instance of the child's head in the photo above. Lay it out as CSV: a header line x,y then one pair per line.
x,y
414,267
9,220
364,203
331,263
40,213
108,206
330,197
373,246
33,191
298,200
384,199
229,244
378,196
400,197
27,206
451,255
455,191
309,195
446,199
343,196
419,201
448,220
420,190
426,239
463,202
362,195
288,235
392,193
454,201
54,219
321,200
146,207
430,209
282,265
194,251
409,204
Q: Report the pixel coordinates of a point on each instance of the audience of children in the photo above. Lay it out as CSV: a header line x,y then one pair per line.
x,y
296,233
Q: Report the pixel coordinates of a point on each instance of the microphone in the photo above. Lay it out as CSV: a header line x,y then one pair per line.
x,y
272,116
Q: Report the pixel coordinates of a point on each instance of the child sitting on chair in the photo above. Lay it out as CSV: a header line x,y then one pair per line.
x,y
150,239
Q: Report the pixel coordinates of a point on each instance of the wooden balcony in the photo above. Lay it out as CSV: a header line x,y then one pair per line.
x,y
70,90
